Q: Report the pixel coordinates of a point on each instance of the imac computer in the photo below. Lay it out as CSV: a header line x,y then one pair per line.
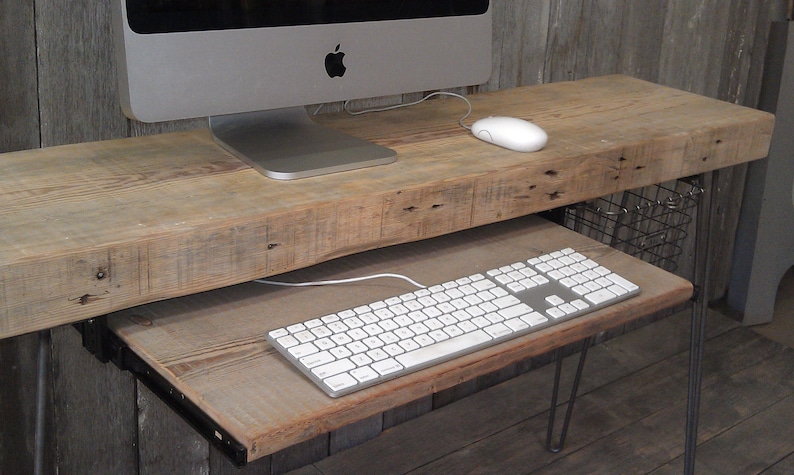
x,y
252,66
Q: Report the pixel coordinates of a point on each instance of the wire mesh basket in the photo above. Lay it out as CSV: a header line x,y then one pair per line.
x,y
649,223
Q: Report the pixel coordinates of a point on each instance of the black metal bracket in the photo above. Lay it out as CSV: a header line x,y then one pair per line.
x,y
106,346
697,292
550,446
95,337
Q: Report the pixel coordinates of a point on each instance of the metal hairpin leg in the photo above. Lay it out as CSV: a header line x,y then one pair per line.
x,y
549,444
699,310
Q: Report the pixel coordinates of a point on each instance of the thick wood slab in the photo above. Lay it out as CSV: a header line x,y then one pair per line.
x,y
92,228
211,346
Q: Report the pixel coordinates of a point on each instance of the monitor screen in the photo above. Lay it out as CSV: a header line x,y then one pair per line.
x,y
156,16
180,59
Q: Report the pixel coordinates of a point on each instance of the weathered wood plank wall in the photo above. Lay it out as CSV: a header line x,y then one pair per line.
x,y
57,86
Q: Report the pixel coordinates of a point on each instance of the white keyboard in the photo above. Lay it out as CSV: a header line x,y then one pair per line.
x,y
366,345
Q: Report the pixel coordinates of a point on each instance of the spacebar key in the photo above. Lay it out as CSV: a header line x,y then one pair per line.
x,y
442,349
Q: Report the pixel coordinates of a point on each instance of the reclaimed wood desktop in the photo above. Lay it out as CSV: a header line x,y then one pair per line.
x,y
93,228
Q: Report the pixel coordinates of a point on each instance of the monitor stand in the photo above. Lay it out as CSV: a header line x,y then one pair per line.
x,y
286,144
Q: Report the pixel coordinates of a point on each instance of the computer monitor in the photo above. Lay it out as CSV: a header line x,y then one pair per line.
x,y
252,66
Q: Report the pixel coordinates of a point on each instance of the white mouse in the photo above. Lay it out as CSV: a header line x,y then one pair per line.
x,y
511,133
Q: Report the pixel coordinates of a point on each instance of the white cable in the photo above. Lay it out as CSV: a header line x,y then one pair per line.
x,y
340,281
438,93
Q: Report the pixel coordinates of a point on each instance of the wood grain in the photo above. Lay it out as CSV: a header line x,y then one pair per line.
x,y
19,121
628,417
211,346
78,99
108,225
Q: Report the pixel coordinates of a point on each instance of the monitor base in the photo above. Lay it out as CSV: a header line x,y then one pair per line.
x,y
285,144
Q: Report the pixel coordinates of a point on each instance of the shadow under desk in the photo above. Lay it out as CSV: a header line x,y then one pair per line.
x,y
207,356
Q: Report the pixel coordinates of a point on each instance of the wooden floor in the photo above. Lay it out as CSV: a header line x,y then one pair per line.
x,y
629,417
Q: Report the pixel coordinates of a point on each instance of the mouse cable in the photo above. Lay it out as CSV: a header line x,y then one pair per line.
x,y
408,104
340,281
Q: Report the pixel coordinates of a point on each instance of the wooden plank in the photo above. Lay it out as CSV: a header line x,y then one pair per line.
x,y
19,122
520,33
221,362
740,78
741,448
169,215
642,35
603,432
221,465
299,455
166,443
355,434
730,394
684,45
77,92
19,130
93,409
594,38
467,433
18,371
782,467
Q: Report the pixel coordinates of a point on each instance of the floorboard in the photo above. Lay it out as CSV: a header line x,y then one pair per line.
x,y
629,417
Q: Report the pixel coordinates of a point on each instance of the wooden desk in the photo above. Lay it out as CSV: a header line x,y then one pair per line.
x,y
93,228
210,347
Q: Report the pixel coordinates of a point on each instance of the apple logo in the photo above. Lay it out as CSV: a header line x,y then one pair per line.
x,y
333,63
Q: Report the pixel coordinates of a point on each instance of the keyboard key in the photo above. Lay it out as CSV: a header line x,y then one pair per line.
x,y
305,336
357,334
340,382
498,330
357,347
330,318
303,350
443,349
483,284
317,359
287,341
333,368
409,345
338,327
373,342
506,301
554,300
364,374
600,296
453,331
340,352
341,339
393,349
377,354
386,366
424,340
555,312
617,290
534,319
516,324
630,286
324,343
515,311
360,359
580,304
